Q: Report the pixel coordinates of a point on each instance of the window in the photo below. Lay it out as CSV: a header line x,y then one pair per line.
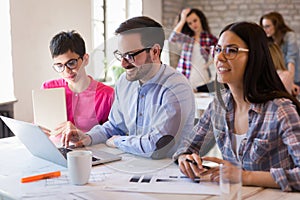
x,y
6,72
107,15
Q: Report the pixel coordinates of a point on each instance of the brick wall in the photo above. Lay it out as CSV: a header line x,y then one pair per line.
x,y
222,12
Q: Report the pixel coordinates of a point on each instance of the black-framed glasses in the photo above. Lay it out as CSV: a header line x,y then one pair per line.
x,y
70,64
229,52
129,57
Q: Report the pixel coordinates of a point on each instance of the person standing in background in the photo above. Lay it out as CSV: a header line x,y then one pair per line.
x,y
193,32
280,33
88,101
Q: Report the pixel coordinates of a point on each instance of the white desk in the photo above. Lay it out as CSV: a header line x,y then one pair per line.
x,y
202,100
17,162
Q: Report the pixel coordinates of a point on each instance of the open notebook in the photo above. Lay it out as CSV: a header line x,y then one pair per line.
x,y
49,107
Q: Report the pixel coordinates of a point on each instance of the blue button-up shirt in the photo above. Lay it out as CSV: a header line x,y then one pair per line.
x,y
291,53
272,141
142,114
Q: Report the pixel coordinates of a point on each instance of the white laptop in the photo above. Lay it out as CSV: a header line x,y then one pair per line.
x,y
38,143
49,107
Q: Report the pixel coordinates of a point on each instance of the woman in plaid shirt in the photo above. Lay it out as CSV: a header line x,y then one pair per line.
x,y
193,32
254,120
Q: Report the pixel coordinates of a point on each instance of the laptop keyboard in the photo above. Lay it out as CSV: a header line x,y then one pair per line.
x,y
95,159
64,152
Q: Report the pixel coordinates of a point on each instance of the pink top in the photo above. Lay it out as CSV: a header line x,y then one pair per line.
x,y
87,108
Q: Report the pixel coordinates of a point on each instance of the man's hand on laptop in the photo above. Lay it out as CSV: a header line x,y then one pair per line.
x,y
69,133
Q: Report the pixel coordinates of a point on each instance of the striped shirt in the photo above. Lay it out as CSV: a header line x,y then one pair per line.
x,y
164,106
272,141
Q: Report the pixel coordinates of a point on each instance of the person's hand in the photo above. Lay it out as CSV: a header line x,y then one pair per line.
x,y
45,130
69,133
110,141
190,165
184,13
228,169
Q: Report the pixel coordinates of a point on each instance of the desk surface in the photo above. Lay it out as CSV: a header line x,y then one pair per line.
x,y
202,100
17,162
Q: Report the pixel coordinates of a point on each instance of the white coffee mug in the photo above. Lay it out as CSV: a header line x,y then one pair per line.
x,y
79,166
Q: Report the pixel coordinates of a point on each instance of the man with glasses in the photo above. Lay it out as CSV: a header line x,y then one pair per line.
x,y
88,101
154,105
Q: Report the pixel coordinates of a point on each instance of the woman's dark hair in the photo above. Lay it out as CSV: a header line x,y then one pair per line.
x,y
186,29
67,41
261,82
280,27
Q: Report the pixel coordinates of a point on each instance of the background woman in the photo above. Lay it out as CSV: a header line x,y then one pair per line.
x,y
280,33
193,32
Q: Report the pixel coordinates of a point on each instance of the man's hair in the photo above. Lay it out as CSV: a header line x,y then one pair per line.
x,y
67,41
151,31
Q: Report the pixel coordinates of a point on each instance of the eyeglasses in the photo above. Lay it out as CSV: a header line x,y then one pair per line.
x,y
71,64
129,57
228,52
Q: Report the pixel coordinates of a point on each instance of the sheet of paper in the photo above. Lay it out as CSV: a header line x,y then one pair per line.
x,y
168,180
51,187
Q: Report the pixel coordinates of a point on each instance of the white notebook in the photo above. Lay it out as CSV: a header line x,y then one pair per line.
x,y
49,107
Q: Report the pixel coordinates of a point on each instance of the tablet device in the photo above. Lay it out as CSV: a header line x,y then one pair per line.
x,y
49,107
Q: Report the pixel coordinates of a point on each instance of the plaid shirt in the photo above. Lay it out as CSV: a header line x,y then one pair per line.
x,y
185,61
272,141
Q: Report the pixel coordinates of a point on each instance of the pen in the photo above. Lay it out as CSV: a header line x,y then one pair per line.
x,y
195,163
40,177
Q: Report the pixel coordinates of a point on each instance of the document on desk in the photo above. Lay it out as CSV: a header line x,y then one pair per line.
x,y
62,186
170,181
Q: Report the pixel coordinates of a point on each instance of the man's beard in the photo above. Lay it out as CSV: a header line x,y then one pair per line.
x,y
140,72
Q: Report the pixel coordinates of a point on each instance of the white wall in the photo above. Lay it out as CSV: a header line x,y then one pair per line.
x,y
34,23
153,9
6,76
